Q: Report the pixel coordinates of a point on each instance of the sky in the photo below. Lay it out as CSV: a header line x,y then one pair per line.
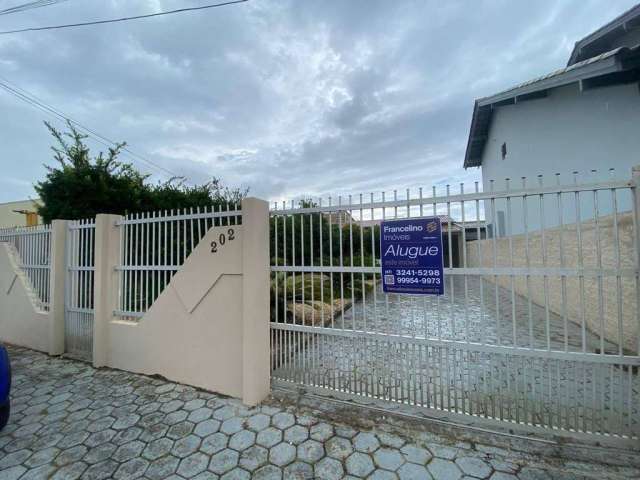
x,y
288,98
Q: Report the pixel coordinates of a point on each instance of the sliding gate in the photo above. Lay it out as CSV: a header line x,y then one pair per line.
x,y
79,300
538,325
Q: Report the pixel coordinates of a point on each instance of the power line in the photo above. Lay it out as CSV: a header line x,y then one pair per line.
x,y
41,105
124,19
29,6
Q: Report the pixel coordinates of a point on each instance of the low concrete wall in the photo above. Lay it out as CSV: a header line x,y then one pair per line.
x,y
20,321
210,327
575,306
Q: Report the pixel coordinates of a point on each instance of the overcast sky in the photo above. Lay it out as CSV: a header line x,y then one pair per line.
x,y
288,98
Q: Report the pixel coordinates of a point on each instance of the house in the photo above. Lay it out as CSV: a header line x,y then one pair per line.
x,y
582,118
19,214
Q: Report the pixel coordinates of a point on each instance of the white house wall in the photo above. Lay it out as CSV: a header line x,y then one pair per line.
x,y
567,131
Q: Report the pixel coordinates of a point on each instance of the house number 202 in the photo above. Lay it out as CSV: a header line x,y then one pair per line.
x,y
222,239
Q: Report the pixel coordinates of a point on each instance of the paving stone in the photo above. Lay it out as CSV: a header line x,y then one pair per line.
x,y
99,438
258,422
383,475
282,454
101,424
440,468
162,467
329,469
27,430
416,454
345,431
339,447
254,457
298,471
171,406
442,451
180,430
236,474
38,473
186,446
154,432
528,473
206,428
310,451
72,471
157,448
42,457
175,417
269,437
126,422
200,415
359,464
474,467
223,461
12,473
232,425
194,404
99,453
413,471
14,458
206,476
321,432
71,455
214,443
128,451
193,465
366,442
296,434
224,413
134,468
388,458
268,472
503,476
283,420
100,470
126,436
242,440
390,440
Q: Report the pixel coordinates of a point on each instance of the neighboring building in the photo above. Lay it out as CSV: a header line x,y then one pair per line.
x,y
19,214
583,118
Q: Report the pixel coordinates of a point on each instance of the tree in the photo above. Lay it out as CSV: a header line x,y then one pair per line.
x,y
81,187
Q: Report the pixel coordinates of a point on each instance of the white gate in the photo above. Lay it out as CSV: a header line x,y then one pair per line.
x,y
538,326
79,289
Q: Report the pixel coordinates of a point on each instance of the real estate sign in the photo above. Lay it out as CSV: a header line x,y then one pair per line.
x,y
411,252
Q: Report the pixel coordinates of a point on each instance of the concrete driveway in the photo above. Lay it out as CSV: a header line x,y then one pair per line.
x,y
72,421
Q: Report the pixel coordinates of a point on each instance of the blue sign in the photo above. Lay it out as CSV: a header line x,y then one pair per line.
x,y
411,253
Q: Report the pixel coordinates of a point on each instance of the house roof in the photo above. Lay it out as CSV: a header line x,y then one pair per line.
x,y
608,67
599,40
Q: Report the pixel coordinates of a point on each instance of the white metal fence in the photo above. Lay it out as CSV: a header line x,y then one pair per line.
x,y
537,326
33,248
79,288
153,247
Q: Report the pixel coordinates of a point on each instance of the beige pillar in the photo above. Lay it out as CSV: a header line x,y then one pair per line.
x,y
255,301
57,286
107,253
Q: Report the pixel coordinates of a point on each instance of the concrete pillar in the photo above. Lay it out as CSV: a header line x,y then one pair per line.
x,y
255,301
57,281
107,254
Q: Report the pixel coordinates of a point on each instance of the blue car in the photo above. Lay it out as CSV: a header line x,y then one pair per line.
x,y
5,386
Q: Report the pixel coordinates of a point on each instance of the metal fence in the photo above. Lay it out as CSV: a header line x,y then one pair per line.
x,y
33,248
153,247
79,289
538,325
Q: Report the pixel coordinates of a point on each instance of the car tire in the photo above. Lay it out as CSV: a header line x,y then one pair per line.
x,y
4,415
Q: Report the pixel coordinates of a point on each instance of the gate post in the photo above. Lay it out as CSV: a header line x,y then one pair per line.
x,y
105,288
256,381
57,288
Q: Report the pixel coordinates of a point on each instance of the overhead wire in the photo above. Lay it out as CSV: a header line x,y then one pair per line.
x,y
30,6
43,106
123,19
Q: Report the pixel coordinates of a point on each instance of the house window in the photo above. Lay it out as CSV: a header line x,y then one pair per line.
x,y
504,150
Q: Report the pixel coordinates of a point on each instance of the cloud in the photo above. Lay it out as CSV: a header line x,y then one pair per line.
x,y
288,98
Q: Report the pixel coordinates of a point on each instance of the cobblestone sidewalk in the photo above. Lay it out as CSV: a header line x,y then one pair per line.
x,y
71,421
